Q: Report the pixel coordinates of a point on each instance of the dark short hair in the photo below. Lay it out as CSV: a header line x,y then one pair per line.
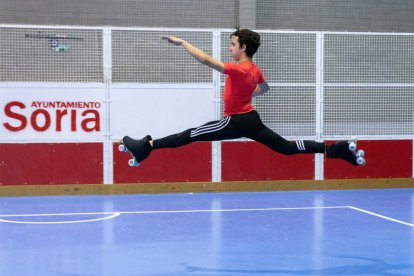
x,y
249,38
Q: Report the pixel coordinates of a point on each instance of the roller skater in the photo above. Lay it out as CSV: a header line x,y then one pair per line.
x,y
244,81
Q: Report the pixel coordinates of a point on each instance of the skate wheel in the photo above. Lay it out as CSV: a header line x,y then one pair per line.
x,y
360,153
122,148
361,161
352,146
133,163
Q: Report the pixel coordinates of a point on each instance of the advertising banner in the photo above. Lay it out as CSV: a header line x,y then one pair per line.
x,y
52,113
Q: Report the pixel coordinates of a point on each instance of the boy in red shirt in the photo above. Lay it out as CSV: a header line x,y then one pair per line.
x,y
244,81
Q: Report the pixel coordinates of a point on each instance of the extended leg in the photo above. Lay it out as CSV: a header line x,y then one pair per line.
x,y
277,143
211,131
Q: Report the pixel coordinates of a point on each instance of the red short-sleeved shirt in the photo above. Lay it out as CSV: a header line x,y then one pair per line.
x,y
241,81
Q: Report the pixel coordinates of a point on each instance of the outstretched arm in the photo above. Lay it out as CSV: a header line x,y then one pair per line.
x,y
196,53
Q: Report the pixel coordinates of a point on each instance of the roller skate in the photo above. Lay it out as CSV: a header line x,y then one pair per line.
x,y
347,150
139,149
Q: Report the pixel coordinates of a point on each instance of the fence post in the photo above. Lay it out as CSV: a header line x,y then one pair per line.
x,y
319,158
108,169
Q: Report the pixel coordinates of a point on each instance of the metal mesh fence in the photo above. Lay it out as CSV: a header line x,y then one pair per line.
x,y
64,55
368,111
288,57
364,58
368,89
141,56
368,84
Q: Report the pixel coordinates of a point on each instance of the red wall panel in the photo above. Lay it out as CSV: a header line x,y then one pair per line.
x,y
66,163
385,159
77,163
189,163
251,161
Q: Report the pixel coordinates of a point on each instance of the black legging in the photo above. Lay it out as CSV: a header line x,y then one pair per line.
x,y
247,125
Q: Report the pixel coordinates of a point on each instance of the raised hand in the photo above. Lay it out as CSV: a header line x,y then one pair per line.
x,y
173,40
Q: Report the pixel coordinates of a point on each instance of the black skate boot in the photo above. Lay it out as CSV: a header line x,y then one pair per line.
x,y
139,149
342,151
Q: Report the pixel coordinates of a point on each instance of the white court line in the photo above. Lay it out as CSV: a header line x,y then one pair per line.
x,y
175,211
117,214
114,215
381,216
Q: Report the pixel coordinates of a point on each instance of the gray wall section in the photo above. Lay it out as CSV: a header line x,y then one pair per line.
x,y
335,15
135,13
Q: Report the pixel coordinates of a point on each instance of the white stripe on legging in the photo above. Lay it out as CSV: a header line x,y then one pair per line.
x,y
211,128
301,145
